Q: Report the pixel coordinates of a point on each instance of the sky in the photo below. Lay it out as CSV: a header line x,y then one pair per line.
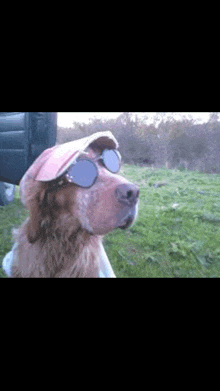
x,y
66,119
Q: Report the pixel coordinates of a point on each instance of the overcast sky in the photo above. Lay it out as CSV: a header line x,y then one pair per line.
x,y
66,119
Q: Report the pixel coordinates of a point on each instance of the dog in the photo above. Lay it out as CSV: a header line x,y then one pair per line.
x,y
62,237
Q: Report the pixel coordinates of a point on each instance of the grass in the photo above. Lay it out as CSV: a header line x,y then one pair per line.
x,y
176,234
11,216
178,228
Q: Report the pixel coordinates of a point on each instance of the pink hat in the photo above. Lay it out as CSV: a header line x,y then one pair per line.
x,y
53,162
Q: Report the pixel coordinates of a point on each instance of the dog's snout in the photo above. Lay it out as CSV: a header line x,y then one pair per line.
x,y
127,193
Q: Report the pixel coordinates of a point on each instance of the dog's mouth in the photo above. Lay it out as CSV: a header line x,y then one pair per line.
x,y
129,219
127,224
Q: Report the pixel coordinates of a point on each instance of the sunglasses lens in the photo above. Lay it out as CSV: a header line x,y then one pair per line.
x,y
83,173
111,160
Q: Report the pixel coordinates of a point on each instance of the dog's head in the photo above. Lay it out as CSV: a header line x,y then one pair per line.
x,y
111,202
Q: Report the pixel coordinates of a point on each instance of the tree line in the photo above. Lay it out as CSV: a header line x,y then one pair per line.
x,y
172,143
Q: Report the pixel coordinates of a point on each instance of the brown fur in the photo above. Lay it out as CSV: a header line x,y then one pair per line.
x,y
63,233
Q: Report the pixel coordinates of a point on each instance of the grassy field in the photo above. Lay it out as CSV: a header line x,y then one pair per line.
x,y
176,234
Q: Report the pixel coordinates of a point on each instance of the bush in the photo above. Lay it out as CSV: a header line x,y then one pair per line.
x,y
174,144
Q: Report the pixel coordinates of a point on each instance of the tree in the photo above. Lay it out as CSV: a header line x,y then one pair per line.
x,y
213,117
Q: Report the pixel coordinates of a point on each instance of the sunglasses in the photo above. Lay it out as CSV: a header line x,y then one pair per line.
x,y
85,172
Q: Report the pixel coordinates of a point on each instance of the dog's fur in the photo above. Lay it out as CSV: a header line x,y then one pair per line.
x,y
63,233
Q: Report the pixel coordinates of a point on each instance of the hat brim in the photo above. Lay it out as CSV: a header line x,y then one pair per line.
x,y
53,162
62,156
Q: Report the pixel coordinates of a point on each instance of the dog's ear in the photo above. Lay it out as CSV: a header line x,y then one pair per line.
x,y
34,225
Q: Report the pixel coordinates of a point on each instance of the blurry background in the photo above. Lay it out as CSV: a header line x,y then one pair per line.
x,y
160,139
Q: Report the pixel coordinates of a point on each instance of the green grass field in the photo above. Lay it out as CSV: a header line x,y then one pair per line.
x,y
176,234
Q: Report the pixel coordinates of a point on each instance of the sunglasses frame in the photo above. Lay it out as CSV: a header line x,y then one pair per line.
x,y
71,179
93,161
60,182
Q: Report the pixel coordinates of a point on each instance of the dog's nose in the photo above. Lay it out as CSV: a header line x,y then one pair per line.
x,y
127,193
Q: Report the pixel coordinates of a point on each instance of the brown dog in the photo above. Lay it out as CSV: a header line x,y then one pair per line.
x,y
62,237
